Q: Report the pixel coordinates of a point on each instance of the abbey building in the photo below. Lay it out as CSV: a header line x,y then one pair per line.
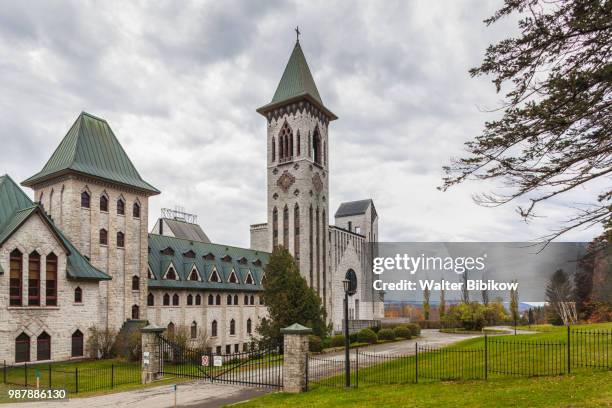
x,y
80,255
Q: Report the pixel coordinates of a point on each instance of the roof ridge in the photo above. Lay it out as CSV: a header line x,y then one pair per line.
x,y
209,243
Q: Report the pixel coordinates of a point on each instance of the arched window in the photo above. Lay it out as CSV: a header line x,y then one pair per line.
x,y
120,207
211,300
16,278
103,237
246,299
77,344
232,327
78,295
213,329
166,300
193,275
236,299
252,300
22,348
281,148
299,148
171,274
285,139
135,283
135,312
120,240
274,228
51,291
175,299
34,279
103,203
286,227
170,329
190,300
233,278
150,300
198,300
194,330
43,346
310,245
85,199
249,279
316,146
249,326
229,299
218,300
136,210
273,149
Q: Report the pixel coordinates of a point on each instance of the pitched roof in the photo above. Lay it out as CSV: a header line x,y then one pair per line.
x,y
353,208
16,207
90,147
296,83
186,230
159,262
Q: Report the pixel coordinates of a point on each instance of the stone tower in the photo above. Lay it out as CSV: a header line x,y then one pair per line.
x,y
93,192
297,173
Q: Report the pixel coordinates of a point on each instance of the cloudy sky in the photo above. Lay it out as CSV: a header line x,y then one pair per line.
x,y
179,83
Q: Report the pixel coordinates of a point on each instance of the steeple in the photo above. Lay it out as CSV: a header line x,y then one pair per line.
x,y
296,84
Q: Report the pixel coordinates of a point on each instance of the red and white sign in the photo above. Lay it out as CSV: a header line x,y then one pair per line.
x,y
204,360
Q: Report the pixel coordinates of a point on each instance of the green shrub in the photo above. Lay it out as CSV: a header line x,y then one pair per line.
x,y
470,316
367,336
315,344
386,334
402,331
326,343
376,328
337,340
353,337
415,329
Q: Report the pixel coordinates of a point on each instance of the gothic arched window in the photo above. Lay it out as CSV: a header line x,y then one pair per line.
x,y
286,227
51,298
285,143
103,237
34,279
16,278
135,312
85,199
211,300
218,300
166,301
248,326
273,149
317,146
213,329
78,295
190,300
296,232
198,300
43,346
120,207
120,240
150,300
175,300
135,283
194,330
274,228
22,348
103,203
77,344
136,210
232,327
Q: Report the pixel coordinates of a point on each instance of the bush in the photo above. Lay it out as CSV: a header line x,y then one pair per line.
x,y
415,329
353,337
430,324
367,336
315,344
386,334
402,331
337,340
101,341
326,343
470,316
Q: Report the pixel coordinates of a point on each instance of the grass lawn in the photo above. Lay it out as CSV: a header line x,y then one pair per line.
x,y
583,390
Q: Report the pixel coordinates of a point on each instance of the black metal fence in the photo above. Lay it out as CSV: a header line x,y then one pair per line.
x,y
73,379
255,367
495,357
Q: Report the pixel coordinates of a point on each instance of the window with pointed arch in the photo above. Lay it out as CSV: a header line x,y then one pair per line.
x,y
78,295
120,207
273,149
150,299
218,300
120,240
135,283
296,232
286,227
171,274
248,325
317,147
77,344
236,299
246,299
103,203
135,312
136,210
166,299
34,279
22,348
190,300
232,330
274,228
16,278
103,237
213,329
285,140
175,299
43,346
194,330
51,284
85,199
198,300
252,300
229,299
211,299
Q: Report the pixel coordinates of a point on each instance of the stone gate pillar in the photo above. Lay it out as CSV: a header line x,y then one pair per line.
x,y
150,353
294,359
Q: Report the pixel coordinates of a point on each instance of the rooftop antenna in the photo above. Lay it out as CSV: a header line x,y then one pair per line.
x,y
179,214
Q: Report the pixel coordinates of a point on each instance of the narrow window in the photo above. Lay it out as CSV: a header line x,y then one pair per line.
x,y
135,283
218,300
103,237
43,346
249,326
150,300
34,279
135,312
166,299
316,146
175,299
198,300
246,300
78,295
16,278
296,232
228,349
193,276
229,299
190,300
310,244
136,210
77,344
85,199
252,300
236,299
22,348
274,228
120,240
233,278
194,330
51,295
273,149
213,329
214,276
299,148
171,274
211,300
286,227
103,203
232,327
120,207
249,280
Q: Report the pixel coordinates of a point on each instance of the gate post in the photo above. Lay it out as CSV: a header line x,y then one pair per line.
x,y
295,350
150,353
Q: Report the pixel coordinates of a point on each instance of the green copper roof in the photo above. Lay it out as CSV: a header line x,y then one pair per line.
x,y
16,207
90,147
296,83
159,263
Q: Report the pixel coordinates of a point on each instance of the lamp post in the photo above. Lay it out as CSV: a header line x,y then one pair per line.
x,y
347,362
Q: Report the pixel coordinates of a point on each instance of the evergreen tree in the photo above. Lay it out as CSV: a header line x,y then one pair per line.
x,y
426,307
288,299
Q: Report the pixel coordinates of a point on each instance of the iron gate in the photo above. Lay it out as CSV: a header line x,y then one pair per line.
x,y
255,367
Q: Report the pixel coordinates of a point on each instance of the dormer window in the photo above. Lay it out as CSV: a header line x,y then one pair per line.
x,y
209,257
194,275
227,258
120,207
233,278
214,276
242,261
167,251
171,274
257,262
189,254
249,279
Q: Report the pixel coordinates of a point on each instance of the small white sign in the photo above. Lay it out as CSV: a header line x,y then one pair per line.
x,y
218,361
205,360
145,354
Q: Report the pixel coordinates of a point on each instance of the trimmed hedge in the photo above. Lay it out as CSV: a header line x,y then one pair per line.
x,y
353,337
367,336
403,331
415,329
386,334
315,344
337,341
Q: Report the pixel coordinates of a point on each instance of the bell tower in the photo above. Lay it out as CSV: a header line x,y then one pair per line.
x,y
297,171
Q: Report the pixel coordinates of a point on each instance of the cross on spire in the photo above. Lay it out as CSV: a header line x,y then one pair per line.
x,y
297,34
